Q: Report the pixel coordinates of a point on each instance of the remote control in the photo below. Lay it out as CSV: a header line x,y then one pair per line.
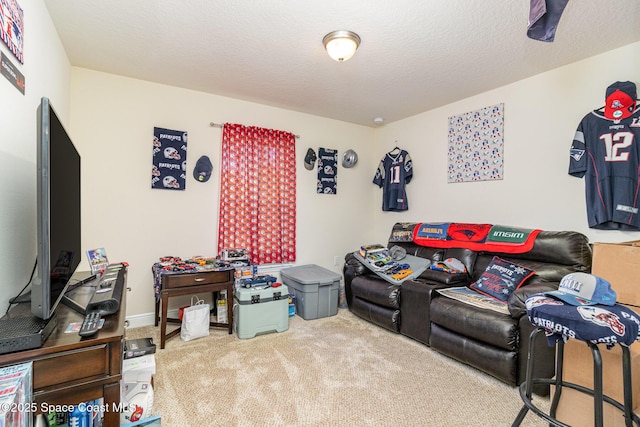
x,y
90,324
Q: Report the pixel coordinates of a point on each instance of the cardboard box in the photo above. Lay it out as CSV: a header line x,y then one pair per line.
x,y
619,263
576,409
139,369
578,368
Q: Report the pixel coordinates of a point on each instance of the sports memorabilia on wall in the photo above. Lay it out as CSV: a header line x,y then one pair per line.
x,y
476,145
169,159
349,159
394,172
605,152
327,171
310,159
11,73
12,26
204,168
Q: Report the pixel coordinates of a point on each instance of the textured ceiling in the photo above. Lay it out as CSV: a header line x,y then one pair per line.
x,y
415,55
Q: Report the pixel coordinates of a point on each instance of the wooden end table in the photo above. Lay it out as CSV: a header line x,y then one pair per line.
x,y
174,284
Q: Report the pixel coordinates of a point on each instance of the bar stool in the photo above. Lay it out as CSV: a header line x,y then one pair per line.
x,y
611,325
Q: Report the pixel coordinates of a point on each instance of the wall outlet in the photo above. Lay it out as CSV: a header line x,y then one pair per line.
x,y
336,259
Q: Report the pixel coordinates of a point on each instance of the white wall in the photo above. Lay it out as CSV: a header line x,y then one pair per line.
x,y
541,116
112,119
46,70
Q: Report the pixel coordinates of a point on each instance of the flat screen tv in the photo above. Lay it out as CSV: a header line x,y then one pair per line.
x,y
58,212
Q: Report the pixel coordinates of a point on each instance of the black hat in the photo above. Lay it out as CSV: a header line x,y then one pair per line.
x,y
310,159
202,171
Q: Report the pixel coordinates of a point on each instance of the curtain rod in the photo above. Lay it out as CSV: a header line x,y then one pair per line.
x,y
217,125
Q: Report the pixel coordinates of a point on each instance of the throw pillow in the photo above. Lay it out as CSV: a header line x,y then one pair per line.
x,y
501,278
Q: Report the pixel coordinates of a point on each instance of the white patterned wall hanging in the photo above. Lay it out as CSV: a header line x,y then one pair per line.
x,y
476,142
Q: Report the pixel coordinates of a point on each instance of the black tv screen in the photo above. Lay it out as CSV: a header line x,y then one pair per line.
x,y
58,212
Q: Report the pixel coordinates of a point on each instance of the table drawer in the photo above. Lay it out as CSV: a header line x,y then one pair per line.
x,y
194,279
70,366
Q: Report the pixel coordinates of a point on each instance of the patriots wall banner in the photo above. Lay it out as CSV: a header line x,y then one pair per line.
x,y
475,145
327,171
606,153
12,27
394,172
169,159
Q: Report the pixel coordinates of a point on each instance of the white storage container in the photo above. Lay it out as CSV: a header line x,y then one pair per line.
x,y
259,310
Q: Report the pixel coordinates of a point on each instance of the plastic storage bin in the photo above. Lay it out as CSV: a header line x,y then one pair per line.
x,y
260,310
315,289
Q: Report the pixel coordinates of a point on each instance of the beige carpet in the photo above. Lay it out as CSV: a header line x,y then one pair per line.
x,y
333,371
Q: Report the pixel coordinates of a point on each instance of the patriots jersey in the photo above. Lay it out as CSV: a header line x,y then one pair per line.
x,y
607,154
393,173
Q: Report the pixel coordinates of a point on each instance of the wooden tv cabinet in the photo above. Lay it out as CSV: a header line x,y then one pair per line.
x,y
69,369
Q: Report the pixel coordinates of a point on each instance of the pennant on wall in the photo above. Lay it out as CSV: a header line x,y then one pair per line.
x,y
12,26
327,171
169,159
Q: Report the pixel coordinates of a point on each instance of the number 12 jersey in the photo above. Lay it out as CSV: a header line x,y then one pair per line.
x,y
606,153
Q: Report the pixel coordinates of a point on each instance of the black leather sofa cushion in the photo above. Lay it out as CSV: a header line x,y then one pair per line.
x,y
385,317
371,288
499,363
485,326
442,277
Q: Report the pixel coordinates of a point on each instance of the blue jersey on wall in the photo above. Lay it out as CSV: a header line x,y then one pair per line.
x,y
394,171
607,154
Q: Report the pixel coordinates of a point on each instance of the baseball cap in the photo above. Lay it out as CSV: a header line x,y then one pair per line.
x,y
620,100
202,171
584,289
397,252
310,159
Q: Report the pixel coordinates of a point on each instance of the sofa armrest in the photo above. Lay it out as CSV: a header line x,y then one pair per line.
x,y
517,299
443,278
415,301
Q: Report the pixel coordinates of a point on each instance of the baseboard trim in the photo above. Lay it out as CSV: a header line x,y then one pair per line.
x,y
146,319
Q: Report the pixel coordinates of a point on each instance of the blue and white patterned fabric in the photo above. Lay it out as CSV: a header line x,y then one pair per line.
x,y
599,324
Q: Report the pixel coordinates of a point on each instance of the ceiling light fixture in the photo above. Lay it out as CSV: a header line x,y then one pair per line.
x,y
341,45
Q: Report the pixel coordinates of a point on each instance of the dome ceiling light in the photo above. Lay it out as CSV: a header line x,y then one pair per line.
x,y
341,45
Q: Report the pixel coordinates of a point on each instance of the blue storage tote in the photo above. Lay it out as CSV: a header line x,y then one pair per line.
x,y
316,290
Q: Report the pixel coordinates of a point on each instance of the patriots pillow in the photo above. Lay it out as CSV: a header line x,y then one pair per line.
x,y
501,278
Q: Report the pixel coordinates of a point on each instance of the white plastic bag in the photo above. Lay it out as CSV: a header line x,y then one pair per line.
x,y
195,320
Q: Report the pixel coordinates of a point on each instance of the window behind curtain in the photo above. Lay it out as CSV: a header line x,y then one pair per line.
x,y
258,193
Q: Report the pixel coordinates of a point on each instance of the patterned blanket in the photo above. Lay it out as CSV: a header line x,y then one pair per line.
x,y
477,237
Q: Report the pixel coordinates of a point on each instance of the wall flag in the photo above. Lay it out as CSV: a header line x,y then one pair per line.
x,y
476,142
327,171
12,27
169,159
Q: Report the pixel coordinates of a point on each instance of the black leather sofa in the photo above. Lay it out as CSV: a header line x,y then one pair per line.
x,y
496,343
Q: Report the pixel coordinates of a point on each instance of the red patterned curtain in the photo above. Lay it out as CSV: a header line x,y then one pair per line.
x,y
258,193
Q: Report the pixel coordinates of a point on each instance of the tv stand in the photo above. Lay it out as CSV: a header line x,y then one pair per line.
x,y
68,369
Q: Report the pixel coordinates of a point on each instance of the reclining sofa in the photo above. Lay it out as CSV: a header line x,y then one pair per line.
x,y
491,341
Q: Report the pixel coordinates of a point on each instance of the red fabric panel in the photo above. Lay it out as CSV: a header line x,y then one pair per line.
x,y
258,193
